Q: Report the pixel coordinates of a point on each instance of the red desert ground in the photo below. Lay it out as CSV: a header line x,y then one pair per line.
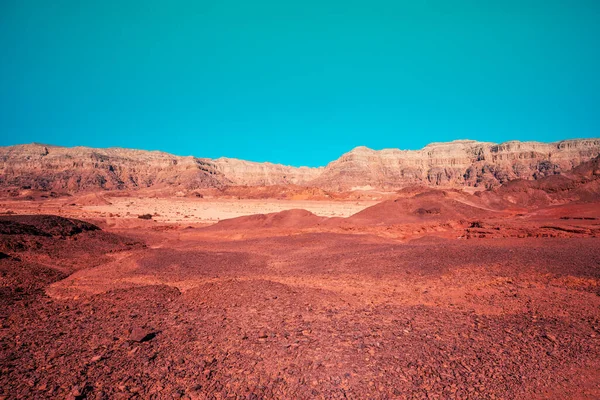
x,y
463,270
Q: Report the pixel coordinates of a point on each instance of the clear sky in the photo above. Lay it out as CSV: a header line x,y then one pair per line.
x,y
296,82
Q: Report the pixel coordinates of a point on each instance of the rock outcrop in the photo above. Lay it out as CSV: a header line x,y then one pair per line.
x,y
579,185
453,164
247,173
55,168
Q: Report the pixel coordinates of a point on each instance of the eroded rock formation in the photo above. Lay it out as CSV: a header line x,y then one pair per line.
x,y
452,164
458,163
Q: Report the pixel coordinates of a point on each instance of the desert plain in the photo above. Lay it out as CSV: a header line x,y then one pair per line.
x,y
415,293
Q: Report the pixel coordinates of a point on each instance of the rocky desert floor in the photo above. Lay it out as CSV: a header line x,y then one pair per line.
x,y
178,210
438,304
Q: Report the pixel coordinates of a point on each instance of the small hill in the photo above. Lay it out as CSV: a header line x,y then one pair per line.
x,y
91,199
434,206
581,184
43,225
288,219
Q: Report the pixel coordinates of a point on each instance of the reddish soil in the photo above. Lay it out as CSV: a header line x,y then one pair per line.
x,y
431,296
427,206
295,219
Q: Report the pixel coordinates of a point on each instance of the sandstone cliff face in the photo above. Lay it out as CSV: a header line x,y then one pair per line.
x,y
74,169
459,163
241,172
579,185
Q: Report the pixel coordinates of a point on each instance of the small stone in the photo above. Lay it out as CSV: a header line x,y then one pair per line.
x,y
141,335
550,337
77,391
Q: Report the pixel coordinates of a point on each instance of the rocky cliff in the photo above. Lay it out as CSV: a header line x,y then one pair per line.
x,y
458,163
241,172
80,168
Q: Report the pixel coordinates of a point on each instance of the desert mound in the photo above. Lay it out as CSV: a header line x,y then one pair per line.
x,y
92,199
581,184
435,206
43,225
296,219
429,207
413,190
37,250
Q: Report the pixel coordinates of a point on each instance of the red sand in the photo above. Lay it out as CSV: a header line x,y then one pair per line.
x,y
429,296
297,219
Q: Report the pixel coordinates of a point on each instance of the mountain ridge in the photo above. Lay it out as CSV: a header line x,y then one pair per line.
x,y
457,163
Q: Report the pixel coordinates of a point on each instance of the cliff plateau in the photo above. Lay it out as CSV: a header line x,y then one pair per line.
x,y
452,164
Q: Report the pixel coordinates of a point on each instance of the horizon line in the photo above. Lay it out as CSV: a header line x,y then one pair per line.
x,y
295,166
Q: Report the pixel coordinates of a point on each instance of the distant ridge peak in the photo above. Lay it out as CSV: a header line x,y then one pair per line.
x,y
444,164
456,141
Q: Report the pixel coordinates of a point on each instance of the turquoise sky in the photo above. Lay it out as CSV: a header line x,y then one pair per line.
x,y
296,82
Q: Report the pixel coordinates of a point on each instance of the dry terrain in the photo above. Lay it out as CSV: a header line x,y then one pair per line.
x,y
178,210
231,294
425,296
453,164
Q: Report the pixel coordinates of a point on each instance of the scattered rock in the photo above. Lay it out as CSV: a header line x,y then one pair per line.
x,y
550,337
141,335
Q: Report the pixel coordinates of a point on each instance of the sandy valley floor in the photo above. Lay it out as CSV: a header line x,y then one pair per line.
x,y
182,210
443,301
